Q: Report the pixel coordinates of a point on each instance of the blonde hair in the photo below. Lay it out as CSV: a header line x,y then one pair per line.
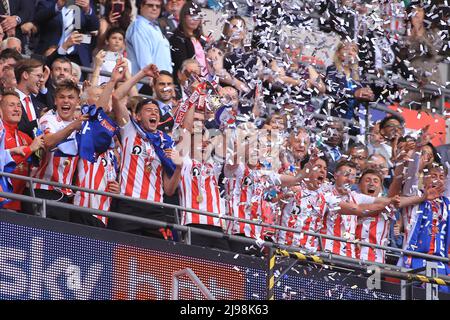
x,y
354,68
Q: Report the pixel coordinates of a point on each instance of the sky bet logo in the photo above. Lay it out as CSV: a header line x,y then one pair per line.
x,y
27,274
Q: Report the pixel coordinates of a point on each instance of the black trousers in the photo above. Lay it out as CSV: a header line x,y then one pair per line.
x,y
207,241
143,211
52,212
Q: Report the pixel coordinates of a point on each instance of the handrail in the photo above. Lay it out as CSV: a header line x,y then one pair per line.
x,y
261,224
328,258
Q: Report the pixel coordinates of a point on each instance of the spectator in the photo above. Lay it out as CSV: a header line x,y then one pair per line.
x,y
10,58
61,70
332,144
375,138
358,154
187,41
422,48
391,129
186,77
15,14
29,74
12,43
145,42
52,17
164,90
170,18
115,45
117,15
344,84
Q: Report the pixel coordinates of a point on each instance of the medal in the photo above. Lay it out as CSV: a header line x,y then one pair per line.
x,y
199,198
66,162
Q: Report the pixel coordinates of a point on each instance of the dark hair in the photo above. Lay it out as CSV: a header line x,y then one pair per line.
x,y
436,155
11,53
190,9
391,117
62,60
227,26
144,102
113,30
26,65
434,165
165,73
125,16
67,85
358,145
372,171
344,163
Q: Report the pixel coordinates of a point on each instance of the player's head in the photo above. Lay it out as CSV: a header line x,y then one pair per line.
x,y
371,182
148,114
345,174
67,98
434,175
316,173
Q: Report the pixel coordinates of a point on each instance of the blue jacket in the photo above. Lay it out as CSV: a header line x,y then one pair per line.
x,y
50,24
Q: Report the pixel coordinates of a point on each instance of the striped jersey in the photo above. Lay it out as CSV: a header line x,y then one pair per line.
x,y
96,176
54,166
199,189
373,230
343,226
304,212
245,189
141,170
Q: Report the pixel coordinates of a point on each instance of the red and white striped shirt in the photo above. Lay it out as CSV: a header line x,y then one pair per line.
x,y
304,212
245,189
373,230
53,167
141,170
199,189
343,226
96,176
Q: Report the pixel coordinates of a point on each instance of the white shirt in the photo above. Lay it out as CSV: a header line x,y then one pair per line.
x,y
22,97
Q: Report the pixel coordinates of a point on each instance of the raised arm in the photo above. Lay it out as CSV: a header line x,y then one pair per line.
x,y
149,71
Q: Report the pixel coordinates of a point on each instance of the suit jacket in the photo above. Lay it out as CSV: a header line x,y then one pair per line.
x,y
26,125
22,8
50,24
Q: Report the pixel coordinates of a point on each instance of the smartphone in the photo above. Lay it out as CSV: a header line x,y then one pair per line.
x,y
87,38
117,7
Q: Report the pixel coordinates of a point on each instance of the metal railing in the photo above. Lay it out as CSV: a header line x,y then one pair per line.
x,y
178,209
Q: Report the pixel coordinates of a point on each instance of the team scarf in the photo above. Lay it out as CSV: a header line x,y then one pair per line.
x,y
96,134
421,236
7,164
160,142
197,99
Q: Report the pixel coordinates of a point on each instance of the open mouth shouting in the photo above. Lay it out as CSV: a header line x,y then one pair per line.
x,y
371,190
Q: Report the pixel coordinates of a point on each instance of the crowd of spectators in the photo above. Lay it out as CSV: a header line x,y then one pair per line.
x,y
240,125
